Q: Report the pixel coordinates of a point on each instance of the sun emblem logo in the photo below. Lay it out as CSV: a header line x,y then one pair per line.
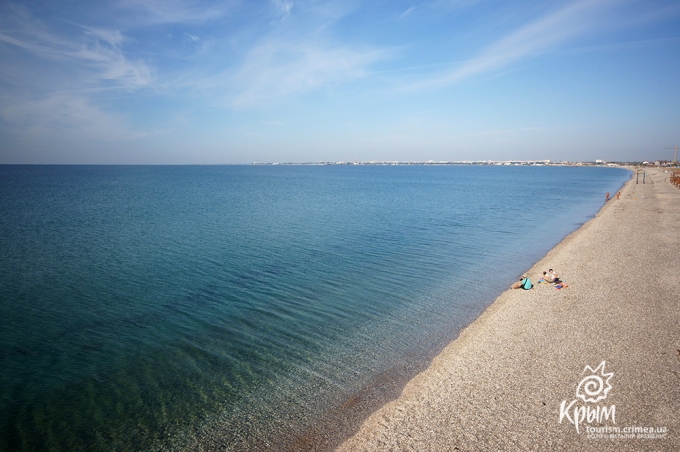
x,y
594,387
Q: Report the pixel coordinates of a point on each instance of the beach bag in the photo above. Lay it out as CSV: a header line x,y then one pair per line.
x,y
526,285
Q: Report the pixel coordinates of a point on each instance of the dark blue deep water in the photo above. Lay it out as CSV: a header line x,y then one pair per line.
x,y
160,308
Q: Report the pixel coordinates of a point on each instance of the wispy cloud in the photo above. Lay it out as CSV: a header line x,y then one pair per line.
x,y
178,11
93,48
406,13
273,69
19,28
50,87
539,36
283,8
104,51
191,37
60,115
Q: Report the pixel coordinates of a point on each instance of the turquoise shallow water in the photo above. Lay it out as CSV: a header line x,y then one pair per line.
x,y
237,306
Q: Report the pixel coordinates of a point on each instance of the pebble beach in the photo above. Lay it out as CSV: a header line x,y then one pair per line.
x,y
515,378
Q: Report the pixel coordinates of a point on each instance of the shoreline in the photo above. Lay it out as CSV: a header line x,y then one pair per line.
x,y
499,385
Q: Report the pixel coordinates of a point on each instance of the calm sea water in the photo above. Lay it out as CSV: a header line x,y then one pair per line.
x,y
165,308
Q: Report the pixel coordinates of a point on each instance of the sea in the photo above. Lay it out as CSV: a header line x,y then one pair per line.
x,y
251,307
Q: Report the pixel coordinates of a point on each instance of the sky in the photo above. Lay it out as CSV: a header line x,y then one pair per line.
x,y
230,82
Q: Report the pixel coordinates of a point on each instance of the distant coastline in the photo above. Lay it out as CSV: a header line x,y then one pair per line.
x,y
597,163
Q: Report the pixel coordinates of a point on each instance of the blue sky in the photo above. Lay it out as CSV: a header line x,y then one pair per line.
x,y
205,82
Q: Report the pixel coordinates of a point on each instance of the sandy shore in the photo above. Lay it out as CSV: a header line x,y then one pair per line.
x,y
500,385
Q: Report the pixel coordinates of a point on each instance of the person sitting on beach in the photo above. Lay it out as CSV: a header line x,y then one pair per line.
x,y
552,276
524,283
